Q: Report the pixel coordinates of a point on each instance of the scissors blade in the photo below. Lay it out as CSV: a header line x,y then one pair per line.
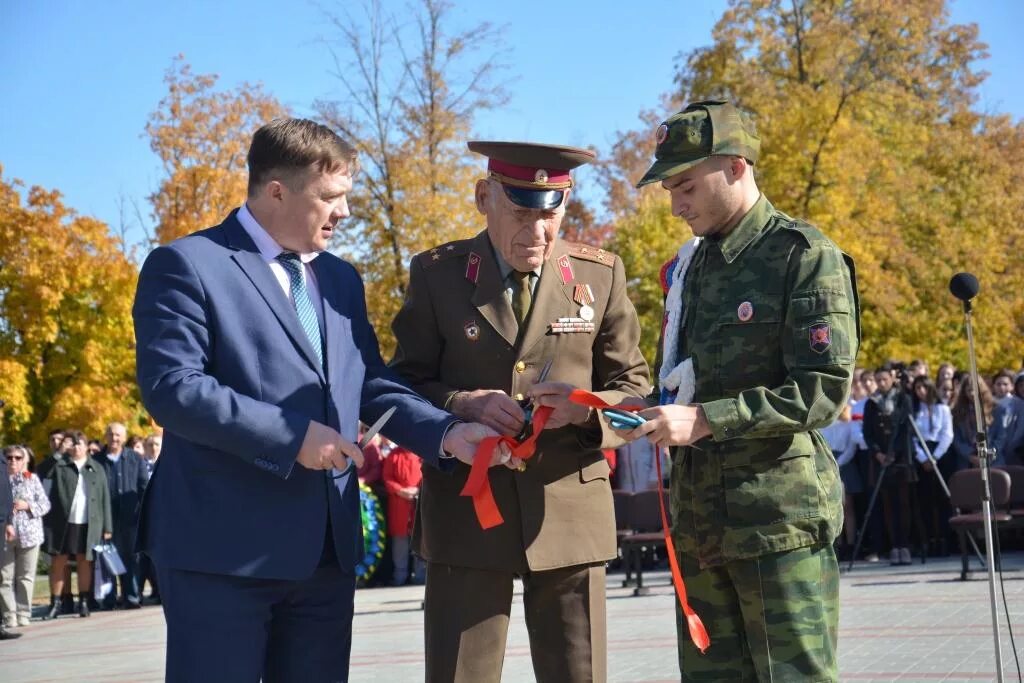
x,y
377,426
545,370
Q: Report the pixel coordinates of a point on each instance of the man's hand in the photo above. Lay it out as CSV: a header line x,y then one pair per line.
x,y
107,535
881,457
324,448
20,504
671,425
927,466
490,407
9,533
462,439
556,395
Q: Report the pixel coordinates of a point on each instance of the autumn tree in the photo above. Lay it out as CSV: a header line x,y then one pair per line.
x,y
201,136
66,339
865,111
407,97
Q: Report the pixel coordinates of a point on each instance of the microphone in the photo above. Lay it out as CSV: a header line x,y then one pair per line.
x,y
964,286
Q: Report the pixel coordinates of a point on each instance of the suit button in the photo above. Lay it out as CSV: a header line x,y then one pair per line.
x,y
518,397
520,366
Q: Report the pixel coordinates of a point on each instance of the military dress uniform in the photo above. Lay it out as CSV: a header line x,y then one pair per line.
x,y
770,320
456,331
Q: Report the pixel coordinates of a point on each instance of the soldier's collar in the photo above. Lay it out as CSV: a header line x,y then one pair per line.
x,y
747,230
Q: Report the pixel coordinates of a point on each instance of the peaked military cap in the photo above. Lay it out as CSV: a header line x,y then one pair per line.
x,y
533,175
703,129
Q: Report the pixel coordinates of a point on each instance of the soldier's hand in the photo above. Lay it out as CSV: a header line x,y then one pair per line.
x,y
881,457
671,425
324,448
490,407
556,395
462,440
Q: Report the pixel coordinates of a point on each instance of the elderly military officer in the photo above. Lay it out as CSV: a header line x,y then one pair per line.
x,y
481,319
758,353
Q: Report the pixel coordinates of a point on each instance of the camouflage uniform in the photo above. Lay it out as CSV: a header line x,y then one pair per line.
x,y
771,325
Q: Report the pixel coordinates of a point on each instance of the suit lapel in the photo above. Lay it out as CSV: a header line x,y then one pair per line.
x,y
256,269
489,296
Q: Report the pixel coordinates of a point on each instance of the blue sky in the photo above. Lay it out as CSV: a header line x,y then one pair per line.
x,y
79,81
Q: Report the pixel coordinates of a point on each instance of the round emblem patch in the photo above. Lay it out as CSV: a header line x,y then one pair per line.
x,y
472,331
541,176
745,311
662,133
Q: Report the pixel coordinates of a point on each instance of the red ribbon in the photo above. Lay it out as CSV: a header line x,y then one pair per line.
x,y
478,485
698,634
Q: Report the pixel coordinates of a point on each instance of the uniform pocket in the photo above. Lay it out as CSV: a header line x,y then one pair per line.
x,y
821,328
599,469
748,341
770,482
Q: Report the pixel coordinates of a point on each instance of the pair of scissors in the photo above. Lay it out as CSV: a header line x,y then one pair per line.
x,y
367,437
527,404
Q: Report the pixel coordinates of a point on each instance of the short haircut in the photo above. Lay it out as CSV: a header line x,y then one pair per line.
x,y
55,432
76,436
285,148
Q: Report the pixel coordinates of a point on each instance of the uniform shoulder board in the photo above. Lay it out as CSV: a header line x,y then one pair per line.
x,y
443,252
811,234
587,252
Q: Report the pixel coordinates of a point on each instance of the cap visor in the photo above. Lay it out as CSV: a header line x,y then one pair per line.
x,y
534,199
660,170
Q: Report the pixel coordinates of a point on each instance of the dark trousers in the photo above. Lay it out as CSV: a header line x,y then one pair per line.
x,y
230,629
467,615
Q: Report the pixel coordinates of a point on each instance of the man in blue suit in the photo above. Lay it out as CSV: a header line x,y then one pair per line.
x,y
255,354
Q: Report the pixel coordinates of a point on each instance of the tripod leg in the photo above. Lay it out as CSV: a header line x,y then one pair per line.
x,y
867,517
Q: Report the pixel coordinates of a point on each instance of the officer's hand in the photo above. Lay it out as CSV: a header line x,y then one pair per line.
x,y
9,533
927,466
881,457
490,407
463,438
671,425
324,448
556,395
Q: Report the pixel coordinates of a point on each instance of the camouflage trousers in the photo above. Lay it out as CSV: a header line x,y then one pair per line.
x,y
770,618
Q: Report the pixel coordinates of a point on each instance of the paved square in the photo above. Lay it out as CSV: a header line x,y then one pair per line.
x,y
917,623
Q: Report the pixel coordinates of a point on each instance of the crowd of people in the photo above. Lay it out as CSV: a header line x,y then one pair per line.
x,y
897,417
82,496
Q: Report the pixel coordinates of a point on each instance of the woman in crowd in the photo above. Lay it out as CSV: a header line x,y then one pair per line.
x,y
79,519
964,423
935,424
402,474
24,534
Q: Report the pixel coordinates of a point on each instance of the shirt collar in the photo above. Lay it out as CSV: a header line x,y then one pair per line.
x,y
747,230
268,247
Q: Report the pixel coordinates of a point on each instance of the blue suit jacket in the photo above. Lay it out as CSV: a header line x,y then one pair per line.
x,y
224,366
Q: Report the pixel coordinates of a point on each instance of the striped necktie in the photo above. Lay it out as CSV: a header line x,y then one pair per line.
x,y
303,303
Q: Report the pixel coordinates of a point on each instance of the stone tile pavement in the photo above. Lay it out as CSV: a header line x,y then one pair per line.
x,y
917,623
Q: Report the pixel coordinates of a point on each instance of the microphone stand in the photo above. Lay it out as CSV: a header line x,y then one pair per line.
x,y
985,455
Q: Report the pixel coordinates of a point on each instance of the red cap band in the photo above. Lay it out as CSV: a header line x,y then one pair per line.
x,y
538,178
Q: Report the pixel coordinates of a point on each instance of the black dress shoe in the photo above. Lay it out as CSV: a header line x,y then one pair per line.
x,y
128,604
8,635
67,604
83,607
55,609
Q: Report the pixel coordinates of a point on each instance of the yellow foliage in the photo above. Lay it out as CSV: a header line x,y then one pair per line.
x,y
202,138
864,109
66,340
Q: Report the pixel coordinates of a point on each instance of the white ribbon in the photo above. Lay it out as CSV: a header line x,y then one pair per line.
x,y
677,375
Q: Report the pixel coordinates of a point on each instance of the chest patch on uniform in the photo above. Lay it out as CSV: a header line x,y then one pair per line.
x,y
820,337
745,311
472,330
565,269
473,268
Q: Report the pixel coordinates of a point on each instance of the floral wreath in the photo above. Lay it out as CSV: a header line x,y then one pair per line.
x,y
374,541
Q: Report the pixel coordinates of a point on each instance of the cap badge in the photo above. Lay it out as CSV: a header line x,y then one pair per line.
x,y
472,330
541,176
745,311
693,135
662,133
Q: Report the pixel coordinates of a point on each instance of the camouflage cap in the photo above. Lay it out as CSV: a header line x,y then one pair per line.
x,y
703,129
